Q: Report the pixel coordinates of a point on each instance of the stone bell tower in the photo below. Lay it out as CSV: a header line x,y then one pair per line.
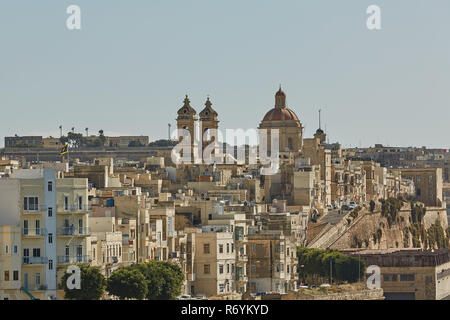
x,y
209,120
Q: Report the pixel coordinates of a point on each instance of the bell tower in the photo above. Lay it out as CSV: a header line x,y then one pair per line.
x,y
209,120
187,116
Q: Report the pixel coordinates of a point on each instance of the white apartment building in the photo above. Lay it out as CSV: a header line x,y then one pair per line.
x,y
43,229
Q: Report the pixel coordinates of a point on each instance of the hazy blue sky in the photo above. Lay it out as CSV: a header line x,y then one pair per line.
x,y
127,70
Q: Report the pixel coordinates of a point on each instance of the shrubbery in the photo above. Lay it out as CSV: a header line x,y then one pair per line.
x,y
316,265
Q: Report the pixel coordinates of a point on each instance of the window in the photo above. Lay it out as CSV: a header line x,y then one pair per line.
x,y
15,249
206,269
220,268
6,249
79,251
50,264
50,186
407,277
221,288
228,268
15,275
38,227
6,276
232,247
50,212
30,203
66,203
50,238
36,252
220,248
228,248
38,278
206,248
80,203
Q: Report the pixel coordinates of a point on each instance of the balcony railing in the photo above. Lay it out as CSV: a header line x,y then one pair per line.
x,y
35,287
34,232
73,231
72,259
34,260
35,209
85,208
242,257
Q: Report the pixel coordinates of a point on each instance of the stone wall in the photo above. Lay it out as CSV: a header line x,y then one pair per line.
x,y
376,294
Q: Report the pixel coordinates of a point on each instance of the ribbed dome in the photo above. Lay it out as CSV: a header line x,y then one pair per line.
x,y
277,114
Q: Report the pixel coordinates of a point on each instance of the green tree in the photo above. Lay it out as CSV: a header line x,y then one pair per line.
x,y
102,137
163,143
92,284
127,283
164,279
135,144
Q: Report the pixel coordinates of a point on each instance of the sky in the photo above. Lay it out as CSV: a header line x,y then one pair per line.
x,y
129,67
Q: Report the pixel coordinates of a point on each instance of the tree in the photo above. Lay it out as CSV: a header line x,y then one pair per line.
x,y
92,284
163,143
74,139
102,137
164,279
127,283
135,143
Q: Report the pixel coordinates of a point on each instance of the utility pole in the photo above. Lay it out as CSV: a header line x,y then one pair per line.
x,y
169,125
60,131
320,110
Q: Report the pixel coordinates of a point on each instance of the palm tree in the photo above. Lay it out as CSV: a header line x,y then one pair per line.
x,y
87,132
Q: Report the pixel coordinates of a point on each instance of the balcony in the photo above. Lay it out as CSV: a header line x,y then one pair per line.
x,y
242,258
73,232
83,209
72,259
35,287
40,209
34,232
34,260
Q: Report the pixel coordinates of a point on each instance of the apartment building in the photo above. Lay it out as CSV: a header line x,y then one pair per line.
x,y
215,262
51,213
272,262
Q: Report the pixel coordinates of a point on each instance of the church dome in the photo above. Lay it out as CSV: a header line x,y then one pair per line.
x,y
280,114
